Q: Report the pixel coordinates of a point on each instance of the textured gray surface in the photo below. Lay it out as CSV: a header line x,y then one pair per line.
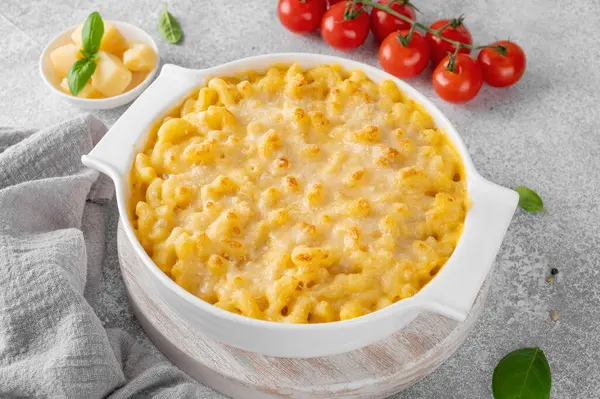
x,y
540,133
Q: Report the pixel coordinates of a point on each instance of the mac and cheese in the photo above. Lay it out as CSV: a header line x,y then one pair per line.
x,y
299,196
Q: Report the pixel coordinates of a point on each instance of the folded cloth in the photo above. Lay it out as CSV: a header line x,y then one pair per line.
x,y
52,216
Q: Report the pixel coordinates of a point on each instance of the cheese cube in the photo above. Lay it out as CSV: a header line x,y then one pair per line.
x,y
63,58
139,57
76,35
87,92
112,40
111,76
136,79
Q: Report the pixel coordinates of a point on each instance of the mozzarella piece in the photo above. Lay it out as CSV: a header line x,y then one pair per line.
x,y
63,58
111,76
139,57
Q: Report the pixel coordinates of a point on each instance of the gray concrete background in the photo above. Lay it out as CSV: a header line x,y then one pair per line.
x,y
542,133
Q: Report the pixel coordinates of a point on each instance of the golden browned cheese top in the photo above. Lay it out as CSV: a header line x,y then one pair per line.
x,y
299,196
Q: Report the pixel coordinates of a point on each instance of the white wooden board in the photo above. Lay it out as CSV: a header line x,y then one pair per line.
x,y
376,371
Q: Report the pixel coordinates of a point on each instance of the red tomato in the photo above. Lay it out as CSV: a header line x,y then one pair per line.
x,y
404,60
332,2
456,31
502,70
301,17
345,34
461,85
382,23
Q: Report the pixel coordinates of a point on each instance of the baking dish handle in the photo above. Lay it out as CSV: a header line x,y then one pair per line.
x,y
113,153
454,289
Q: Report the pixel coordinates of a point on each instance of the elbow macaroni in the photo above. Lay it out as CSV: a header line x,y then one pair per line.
x,y
299,196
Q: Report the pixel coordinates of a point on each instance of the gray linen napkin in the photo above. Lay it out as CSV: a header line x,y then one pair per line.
x,y
52,216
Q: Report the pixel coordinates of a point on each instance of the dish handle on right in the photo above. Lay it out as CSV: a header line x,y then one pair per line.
x,y
454,289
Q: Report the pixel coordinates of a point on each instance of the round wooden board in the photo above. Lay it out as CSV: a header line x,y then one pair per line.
x,y
376,371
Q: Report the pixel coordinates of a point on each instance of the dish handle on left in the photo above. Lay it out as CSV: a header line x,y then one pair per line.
x,y
113,155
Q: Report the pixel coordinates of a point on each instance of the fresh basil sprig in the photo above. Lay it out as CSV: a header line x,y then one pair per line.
x,y
168,27
522,374
529,200
83,69
91,35
79,74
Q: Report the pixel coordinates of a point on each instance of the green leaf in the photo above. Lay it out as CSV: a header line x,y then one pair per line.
x,y
91,35
522,374
529,200
79,74
168,27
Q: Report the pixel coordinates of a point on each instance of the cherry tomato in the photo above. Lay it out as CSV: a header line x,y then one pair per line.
x,y
455,31
382,23
301,17
502,70
345,34
404,59
461,85
332,2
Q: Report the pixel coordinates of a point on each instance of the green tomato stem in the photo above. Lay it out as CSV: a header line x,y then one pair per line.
x,y
452,60
405,40
456,22
351,11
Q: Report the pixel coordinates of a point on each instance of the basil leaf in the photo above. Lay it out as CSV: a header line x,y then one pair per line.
x,y
529,200
91,35
168,27
522,374
80,74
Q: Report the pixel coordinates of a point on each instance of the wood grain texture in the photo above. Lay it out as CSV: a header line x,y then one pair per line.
x,y
376,371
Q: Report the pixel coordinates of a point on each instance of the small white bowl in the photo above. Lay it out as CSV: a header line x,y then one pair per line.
x,y
131,33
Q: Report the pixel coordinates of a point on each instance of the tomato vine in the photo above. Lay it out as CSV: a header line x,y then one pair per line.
x,y
436,32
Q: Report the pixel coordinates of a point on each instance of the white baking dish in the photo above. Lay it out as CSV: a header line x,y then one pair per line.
x,y
451,292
